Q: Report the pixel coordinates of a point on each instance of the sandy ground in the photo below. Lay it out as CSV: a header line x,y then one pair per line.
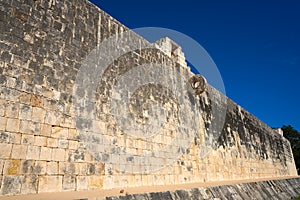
x,y
93,194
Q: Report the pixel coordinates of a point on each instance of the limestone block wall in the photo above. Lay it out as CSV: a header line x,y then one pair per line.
x,y
43,144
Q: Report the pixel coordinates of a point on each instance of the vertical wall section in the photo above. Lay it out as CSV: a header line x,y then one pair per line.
x,y
42,46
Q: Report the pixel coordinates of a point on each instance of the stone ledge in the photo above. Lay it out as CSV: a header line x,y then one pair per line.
x,y
280,188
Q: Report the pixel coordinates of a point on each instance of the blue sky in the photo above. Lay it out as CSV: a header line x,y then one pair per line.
x,y
255,45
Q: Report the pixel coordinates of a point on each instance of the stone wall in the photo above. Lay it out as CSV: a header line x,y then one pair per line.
x,y
275,189
44,133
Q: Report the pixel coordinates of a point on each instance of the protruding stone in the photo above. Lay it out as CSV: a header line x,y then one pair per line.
x,y
198,83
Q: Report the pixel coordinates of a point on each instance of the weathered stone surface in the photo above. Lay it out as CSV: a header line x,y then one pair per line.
x,y
59,132
52,168
25,112
82,182
40,141
5,150
43,143
276,189
58,154
19,151
29,184
46,153
11,185
46,129
11,167
69,182
95,181
49,184
12,125
33,152
38,114
3,121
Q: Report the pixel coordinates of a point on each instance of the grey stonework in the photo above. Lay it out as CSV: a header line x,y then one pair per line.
x,y
276,189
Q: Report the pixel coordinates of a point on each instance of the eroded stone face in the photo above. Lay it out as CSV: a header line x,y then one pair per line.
x,y
11,184
42,148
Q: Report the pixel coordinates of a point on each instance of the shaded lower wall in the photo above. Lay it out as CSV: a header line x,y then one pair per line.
x,y
275,189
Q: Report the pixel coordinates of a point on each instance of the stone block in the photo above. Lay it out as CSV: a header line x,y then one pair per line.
x,y
11,167
81,182
25,98
46,153
53,118
36,100
1,167
2,107
59,132
52,142
27,166
27,139
29,184
3,121
69,182
5,137
11,82
73,134
40,167
95,182
100,168
63,143
38,114
33,152
19,151
52,168
49,184
68,168
46,129
82,168
91,169
67,121
12,110
12,125
58,154
30,127
15,138
11,185
25,112
40,141
76,156
73,144
5,150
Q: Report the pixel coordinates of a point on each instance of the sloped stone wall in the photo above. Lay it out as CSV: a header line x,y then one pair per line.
x,y
43,45
276,189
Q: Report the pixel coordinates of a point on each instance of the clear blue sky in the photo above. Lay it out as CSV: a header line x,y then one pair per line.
x,y
255,45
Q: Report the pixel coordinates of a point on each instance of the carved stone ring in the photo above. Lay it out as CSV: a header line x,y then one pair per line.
x,y
198,83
